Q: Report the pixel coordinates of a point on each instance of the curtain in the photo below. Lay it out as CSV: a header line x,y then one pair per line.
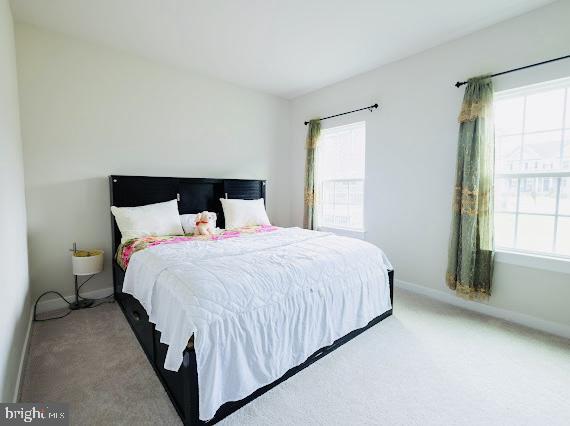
x,y
309,216
470,263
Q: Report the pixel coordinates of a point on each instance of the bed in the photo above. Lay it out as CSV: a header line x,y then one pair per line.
x,y
197,306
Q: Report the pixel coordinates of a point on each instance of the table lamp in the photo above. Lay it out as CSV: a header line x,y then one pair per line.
x,y
84,262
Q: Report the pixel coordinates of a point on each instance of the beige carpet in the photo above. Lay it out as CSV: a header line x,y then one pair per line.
x,y
430,364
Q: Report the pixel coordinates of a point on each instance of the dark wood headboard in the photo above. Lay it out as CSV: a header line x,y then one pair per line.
x,y
194,194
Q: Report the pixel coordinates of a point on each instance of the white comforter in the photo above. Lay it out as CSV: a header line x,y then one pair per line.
x,y
257,305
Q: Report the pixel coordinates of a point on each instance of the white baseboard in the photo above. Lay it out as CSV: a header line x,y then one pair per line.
x,y
24,357
486,309
48,305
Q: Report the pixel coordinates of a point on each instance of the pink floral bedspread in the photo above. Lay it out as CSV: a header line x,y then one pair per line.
x,y
126,250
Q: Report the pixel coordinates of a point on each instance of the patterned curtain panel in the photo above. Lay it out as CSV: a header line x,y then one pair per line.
x,y
470,264
313,133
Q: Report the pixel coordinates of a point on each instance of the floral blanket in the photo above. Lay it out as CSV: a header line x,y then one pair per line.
x,y
126,250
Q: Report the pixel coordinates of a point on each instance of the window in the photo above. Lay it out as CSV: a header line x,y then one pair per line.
x,y
532,169
340,177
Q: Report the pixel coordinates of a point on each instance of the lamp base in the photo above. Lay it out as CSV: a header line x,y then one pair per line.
x,y
81,304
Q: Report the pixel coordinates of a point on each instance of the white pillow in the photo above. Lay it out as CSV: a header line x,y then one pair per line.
x,y
150,220
240,213
189,221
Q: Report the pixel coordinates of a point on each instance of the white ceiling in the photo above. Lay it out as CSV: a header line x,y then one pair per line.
x,y
282,47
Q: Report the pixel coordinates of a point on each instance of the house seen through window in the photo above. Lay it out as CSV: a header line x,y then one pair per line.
x,y
532,169
340,177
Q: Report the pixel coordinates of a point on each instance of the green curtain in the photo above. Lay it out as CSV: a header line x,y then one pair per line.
x,y
470,263
313,132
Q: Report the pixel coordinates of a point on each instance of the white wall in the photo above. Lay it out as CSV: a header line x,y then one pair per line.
x,y
89,111
412,144
14,285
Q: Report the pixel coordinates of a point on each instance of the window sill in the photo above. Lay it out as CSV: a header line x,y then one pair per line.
x,y
534,261
360,234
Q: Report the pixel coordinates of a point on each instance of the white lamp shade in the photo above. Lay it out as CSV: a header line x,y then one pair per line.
x,y
87,262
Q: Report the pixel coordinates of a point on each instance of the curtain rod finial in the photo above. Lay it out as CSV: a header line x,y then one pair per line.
x,y
460,83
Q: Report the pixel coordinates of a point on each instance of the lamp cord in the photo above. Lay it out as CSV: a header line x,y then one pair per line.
x,y
102,299
52,318
91,298
82,284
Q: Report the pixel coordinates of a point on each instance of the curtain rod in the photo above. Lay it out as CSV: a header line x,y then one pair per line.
x,y
370,108
461,83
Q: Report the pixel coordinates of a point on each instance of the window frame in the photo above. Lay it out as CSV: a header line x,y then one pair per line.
x,y
533,260
348,231
543,259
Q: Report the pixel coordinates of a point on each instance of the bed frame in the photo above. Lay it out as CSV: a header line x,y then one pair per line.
x,y
194,195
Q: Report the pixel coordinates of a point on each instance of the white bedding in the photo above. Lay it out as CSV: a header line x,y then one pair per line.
x,y
257,305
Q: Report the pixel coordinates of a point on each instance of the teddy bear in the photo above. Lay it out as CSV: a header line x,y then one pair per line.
x,y
205,223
